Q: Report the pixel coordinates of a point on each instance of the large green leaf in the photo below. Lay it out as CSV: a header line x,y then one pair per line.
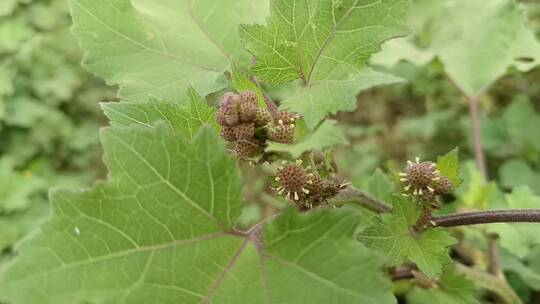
x,y
161,230
325,43
311,39
159,47
325,97
392,235
479,40
186,119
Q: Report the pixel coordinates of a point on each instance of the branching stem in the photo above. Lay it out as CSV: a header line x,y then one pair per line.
x,y
490,216
356,196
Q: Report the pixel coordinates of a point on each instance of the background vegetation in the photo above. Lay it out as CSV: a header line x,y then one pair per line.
x,y
50,117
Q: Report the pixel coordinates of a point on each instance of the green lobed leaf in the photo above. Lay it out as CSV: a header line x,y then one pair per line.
x,y
159,47
325,97
452,288
326,44
448,165
161,230
183,118
313,39
327,135
391,234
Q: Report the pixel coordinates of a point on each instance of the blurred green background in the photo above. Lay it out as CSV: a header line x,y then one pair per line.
x,y
49,114
50,119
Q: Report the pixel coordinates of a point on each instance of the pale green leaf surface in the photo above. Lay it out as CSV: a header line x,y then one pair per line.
x,y
327,135
325,97
516,172
453,289
183,118
478,41
391,235
159,47
401,49
161,230
518,239
476,193
448,165
313,39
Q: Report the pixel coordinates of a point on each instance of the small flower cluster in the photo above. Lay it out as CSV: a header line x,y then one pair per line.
x,y
248,125
423,181
304,186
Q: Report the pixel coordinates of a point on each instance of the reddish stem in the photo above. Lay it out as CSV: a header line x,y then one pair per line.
x,y
477,137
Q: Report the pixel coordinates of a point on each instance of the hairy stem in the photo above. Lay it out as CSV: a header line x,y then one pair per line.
x,y
477,138
490,216
354,195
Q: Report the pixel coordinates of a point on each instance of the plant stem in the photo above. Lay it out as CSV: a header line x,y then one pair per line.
x,y
354,195
490,216
475,122
477,137
494,258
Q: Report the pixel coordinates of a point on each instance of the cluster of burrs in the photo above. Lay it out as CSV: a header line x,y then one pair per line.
x,y
248,125
423,181
304,186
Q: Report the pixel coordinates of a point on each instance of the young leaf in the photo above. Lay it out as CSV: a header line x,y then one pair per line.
x,y
448,165
186,119
327,135
452,288
161,230
391,234
241,83
160,47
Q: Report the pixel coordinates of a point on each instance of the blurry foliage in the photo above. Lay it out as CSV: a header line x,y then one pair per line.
x,y
49,113
49,118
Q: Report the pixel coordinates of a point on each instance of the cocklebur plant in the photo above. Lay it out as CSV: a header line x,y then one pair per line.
x,y
164,227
